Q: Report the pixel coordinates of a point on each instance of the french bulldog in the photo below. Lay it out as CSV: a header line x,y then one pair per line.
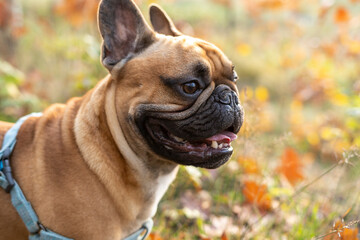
x,y
97,166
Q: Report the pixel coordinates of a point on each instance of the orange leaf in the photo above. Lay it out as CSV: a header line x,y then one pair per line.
x,y
342,232
338,225
154,236
18,32
329,49
5,13
257,194
349,234
341,15
78,11
224,237
272,4
290,166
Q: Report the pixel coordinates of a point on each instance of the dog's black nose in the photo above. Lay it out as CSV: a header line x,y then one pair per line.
x,y
228,101
224,95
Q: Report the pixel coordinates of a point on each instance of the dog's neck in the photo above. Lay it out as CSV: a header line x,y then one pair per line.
x,y
130,181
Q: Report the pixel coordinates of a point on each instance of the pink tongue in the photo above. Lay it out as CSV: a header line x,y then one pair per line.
x,y
223,137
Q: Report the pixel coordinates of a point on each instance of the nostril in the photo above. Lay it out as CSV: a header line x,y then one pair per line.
x,y
224,98
223,94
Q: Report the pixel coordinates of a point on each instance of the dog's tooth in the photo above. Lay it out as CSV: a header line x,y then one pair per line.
x,y
178,139
214,144
220,145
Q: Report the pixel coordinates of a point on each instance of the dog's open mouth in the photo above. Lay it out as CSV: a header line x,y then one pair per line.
x,y
208,146
209,152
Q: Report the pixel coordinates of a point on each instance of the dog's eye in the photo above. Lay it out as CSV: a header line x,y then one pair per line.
x,y
190,87
235,76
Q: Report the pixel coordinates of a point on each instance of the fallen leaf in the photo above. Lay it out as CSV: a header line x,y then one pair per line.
x,y
224,237
257,194
341,15
77,11
340,231
18,31
350,234
291,166
272,4
154,236
5,13
346,212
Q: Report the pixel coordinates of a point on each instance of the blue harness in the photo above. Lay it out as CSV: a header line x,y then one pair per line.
x,y
23,207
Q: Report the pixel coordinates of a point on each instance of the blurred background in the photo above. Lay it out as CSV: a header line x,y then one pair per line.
x,y
295,170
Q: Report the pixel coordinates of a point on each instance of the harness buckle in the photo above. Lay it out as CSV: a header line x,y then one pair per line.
x,y
42,227
7,169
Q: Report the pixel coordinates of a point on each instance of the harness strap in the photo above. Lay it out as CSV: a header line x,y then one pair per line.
x,y
23,207
18,200
10,136
145,229
8,147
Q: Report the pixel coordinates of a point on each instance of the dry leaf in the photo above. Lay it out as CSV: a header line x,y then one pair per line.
x,y
342,232
291,166
224,237
341,15
272,4
5,13
257,194
350,234
18,31
78,11
154,236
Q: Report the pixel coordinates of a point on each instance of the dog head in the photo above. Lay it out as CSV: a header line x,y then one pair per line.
x,y
176,97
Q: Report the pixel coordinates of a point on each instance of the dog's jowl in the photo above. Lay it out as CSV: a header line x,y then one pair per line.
x,y
97,167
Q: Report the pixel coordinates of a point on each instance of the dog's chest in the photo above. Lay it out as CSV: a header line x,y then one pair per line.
x,y
162,183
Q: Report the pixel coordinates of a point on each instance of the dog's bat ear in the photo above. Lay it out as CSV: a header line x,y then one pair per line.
x,y
124,31
161,22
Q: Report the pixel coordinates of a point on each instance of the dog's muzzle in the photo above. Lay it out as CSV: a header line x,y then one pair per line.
x,y
202,139
220,112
